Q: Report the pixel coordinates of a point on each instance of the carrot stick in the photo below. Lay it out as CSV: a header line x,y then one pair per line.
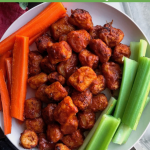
x,y
5,104
19,76
2,62
42,21
32,39
8,62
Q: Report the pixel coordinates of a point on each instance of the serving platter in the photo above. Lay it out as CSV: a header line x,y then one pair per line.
x,y
101,13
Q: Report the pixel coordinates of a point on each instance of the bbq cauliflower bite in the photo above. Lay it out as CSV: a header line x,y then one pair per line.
x,y
61,146
99,102
66,68
48,113
64,110
82,78
53,77
82,99
81,18
46,66
28,139
112,74
88,59
110,35
41,42
98,85
44,144
60,27
78,40
119,51
59,52
94,32
36,81
41,95
34,63
73,140
56,91
53,133
100,49
70,125
86,119
32,108
63,38
36,125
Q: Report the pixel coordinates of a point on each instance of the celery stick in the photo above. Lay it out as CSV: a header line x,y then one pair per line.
x,y
123,132
142,48
148,51
104,133
138,49
138,94
129,72
134,47
108,111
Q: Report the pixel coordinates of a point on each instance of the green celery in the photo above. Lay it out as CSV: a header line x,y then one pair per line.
x,y
142,48
138,94
138,49
123,132
134,47
129,72
109,109
104,133
148,51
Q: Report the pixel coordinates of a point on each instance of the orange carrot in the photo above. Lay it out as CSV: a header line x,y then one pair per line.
x,y
42,21
5,104
32,39
2,62
19,76
8,62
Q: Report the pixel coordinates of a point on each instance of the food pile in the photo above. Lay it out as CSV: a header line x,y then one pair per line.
x,y
74,63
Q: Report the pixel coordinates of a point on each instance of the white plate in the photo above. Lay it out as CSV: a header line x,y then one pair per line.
x,y
101,13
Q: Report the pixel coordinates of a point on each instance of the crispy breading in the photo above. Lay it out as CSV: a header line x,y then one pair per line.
x,y
88,59
46,66
78,40
64,110
70,125
99,102
28,139
54,133
82,99
36,81
59,52
119,51
36,125
81,18
48,113
112,74
56,91
60,27
32,108
82,78
98,85
100,49
35,59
